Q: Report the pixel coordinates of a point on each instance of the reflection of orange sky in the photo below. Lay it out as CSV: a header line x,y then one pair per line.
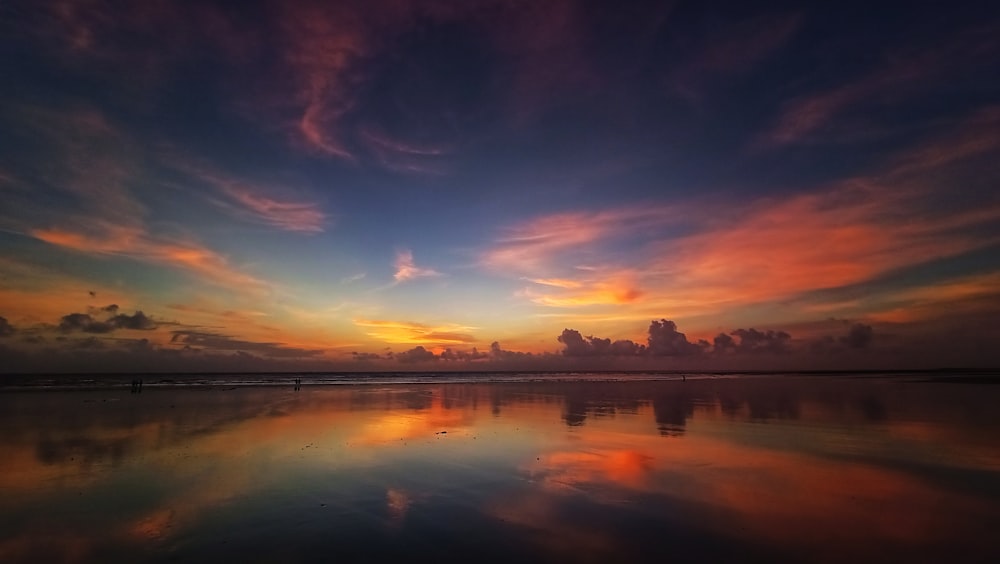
x,y
780,493
625,467
784,496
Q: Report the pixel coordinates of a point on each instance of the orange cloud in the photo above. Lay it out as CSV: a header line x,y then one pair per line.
x,y
136,243
583,293
529,246
810,242
770,249
401,332
250,201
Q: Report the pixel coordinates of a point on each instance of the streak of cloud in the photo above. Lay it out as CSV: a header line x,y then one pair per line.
x,y
399,332
137,244
245,200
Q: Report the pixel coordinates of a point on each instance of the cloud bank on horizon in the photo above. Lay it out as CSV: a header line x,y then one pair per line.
x,y
308,184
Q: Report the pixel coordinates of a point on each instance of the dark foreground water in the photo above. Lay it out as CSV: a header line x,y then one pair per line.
x,y
711,469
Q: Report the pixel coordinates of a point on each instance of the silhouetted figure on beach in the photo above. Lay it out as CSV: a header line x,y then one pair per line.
x,y
298,384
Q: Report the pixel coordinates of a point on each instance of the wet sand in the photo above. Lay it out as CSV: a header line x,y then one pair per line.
x,y
753,469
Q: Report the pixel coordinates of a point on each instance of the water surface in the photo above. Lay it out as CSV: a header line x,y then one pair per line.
x,y
751,469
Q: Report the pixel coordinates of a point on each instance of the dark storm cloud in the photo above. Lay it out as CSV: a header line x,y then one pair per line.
x,y
218,342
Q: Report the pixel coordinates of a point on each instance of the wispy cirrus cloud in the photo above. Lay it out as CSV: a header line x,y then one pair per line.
x,y
735,48
906,73
529,246
699,258
136,243
324,43
213,341
264,205
615,289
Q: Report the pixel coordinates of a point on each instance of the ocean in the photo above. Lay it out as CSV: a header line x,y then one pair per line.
x,y
511,467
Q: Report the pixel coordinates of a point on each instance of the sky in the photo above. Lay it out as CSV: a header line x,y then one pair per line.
x,y
498,185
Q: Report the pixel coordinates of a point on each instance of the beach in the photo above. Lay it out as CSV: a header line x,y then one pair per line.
x,y
753,468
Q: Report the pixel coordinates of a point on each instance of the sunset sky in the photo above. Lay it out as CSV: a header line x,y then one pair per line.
x,y
442,185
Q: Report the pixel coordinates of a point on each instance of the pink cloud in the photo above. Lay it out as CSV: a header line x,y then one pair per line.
x,y
903,72
404,156
618,288
136,243
531,245
324,44
249,201
701,259
406,268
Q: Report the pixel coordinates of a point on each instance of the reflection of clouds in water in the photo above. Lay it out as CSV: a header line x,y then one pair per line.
x,y
155,525
573,469
397,503
832,476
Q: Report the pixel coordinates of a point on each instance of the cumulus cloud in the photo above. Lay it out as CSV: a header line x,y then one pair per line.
x,y
665,340
416,354
83,322
754,341
137,321
464,356
723,344
858,337
91,323
578,345
6,329
368,357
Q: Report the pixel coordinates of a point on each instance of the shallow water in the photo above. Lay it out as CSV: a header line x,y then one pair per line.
x,y
749,469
